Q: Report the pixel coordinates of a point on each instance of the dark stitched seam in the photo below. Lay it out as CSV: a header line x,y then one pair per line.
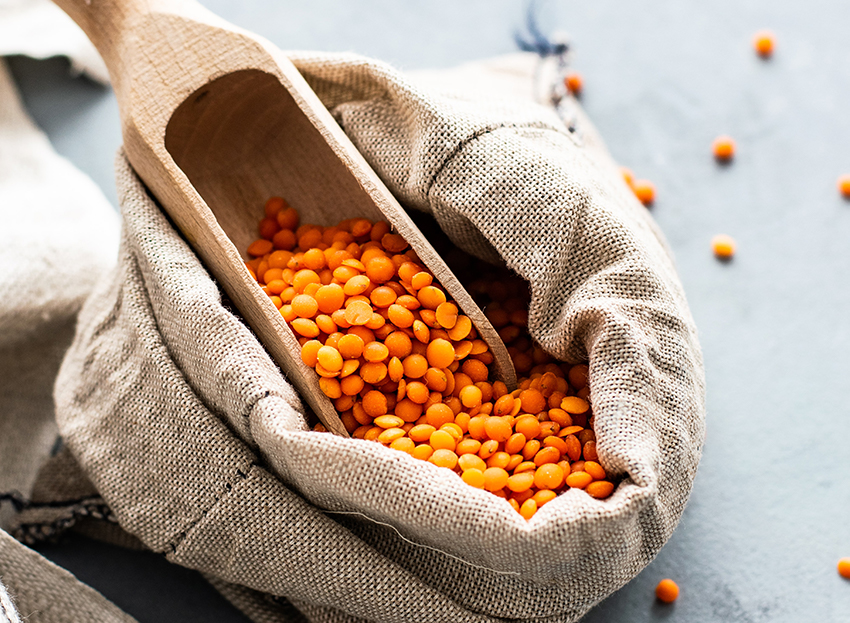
x,y
251,408
254,403
228,487
21,503
16,498
75,513
540,125
32,533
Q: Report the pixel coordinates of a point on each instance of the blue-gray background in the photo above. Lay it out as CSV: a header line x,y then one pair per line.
x,y
770,512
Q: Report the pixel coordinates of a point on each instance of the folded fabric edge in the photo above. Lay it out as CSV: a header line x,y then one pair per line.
x,y
39,29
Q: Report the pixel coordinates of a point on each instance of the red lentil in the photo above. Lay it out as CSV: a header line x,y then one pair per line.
x,y
723,247
645,191
574,83
723,148
407,369
667,591
844,186
764,42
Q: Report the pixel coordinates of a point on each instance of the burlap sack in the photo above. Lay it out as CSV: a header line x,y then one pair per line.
x,y
198,444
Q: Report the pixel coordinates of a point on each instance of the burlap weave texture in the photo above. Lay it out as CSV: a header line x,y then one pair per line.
x,y
44,593
197,443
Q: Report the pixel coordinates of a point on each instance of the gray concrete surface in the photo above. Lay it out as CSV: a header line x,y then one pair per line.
x,y
770,512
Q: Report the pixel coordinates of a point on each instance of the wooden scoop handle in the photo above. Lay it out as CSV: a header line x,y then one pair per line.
x,y
215,120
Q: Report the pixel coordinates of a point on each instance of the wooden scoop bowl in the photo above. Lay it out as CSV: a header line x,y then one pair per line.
x,y
215,121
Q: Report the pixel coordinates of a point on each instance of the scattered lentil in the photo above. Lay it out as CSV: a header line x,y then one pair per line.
x,y
667,591
645,191
723,148
844,186
764,42
574,83
723,247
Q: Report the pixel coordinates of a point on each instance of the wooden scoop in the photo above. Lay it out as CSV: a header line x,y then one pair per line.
x,y
215,121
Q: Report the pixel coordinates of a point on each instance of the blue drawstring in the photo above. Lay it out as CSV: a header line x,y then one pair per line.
x,y
536,41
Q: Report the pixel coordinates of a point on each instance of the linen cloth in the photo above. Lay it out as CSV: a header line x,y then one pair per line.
x,y
58,234
38,28
198,444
